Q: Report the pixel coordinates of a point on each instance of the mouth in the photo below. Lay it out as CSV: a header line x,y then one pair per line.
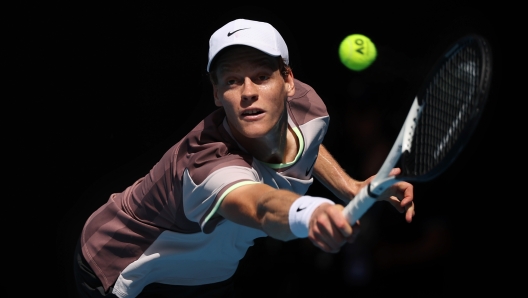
x,y
252,112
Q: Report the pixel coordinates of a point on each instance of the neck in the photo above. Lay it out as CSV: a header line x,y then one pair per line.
x,y
278,146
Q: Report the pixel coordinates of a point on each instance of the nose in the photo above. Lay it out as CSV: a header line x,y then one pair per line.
x,y
249,90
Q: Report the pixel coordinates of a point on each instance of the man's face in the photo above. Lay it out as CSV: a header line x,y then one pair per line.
x,y
251,90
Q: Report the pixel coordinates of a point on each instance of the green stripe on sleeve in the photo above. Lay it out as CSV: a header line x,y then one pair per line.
x,y
230,189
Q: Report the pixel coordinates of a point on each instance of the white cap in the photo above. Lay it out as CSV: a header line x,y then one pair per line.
x,y
259,35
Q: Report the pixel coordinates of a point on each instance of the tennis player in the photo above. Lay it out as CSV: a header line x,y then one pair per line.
x,y
242,173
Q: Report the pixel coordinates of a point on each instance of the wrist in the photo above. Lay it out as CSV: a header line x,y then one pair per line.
x,y
300,213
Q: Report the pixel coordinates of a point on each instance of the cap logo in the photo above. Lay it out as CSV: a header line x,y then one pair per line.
x,y
231,33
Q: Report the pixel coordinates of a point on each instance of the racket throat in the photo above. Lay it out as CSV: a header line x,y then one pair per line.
x,y
410,124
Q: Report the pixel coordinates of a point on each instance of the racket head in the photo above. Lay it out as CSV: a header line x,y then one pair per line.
x,y
451,99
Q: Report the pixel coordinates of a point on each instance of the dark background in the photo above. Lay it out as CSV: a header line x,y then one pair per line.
x,y
119,83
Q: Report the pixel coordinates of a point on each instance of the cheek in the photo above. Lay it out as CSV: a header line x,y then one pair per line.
x,y
230,106
280,97
225,100
217,102
222,98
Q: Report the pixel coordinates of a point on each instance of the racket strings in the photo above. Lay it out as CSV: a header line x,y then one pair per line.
x,y
450,101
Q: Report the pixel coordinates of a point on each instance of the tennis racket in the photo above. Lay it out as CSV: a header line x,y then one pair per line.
x,y
442,118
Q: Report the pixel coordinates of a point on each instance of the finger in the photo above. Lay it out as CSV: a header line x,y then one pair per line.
x,y
355,233
409,213
339,221
407,201
323,246
402,193
325,234
408,190
333,228
323,239
396,203
395,171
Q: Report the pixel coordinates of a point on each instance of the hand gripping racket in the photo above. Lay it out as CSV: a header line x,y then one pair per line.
x,y
442,118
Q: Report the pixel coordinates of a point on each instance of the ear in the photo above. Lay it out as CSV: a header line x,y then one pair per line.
x,y
217,101
290,84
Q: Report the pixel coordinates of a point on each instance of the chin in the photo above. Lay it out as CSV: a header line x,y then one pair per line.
x,y
254,133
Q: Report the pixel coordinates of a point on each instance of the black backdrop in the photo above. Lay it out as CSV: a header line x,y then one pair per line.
x,y
122,82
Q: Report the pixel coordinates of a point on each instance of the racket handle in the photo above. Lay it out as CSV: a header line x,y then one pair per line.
x,y
358,206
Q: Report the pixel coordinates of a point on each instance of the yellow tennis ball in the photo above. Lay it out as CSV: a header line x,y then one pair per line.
x,y
357,52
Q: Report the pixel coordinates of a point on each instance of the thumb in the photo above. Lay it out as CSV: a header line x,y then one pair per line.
x,y
395,171
355,232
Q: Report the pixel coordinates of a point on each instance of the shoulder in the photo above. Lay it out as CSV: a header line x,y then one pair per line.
x,y
306,104
305,92
302,89
208,148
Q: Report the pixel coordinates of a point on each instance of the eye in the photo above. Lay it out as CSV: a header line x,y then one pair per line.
x,y
231,82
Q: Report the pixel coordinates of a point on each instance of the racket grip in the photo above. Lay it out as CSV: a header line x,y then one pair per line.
x,y
358,206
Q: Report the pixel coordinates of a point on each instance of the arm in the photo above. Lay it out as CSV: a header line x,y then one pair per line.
x,y
328,171
262,207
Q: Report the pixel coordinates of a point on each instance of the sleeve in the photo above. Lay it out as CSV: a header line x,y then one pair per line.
x,y
201,201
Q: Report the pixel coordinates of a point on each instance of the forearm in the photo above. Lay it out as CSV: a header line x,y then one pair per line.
x,y
294,221
285,215
261,207
273,213
281,214
328,171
